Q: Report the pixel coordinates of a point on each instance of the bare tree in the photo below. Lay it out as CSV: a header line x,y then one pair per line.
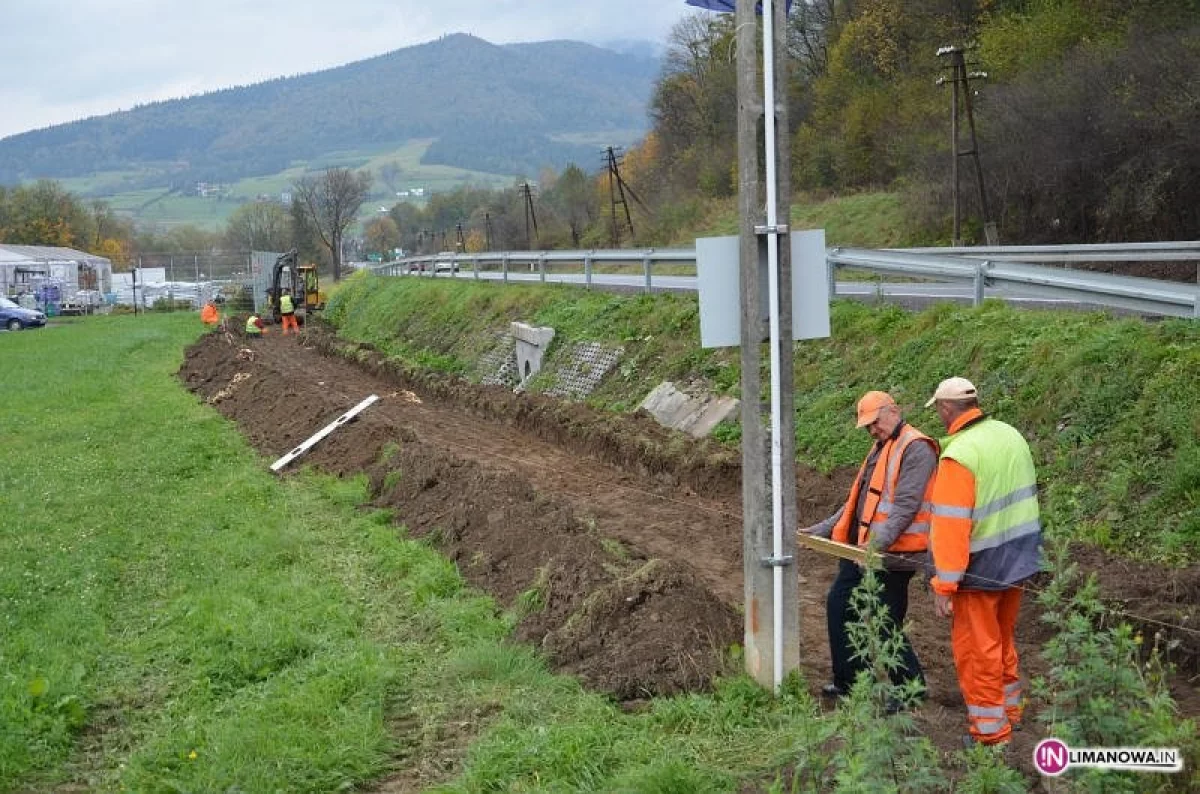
x,y
332,201
259,225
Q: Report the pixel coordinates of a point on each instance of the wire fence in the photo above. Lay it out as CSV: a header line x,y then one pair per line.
x,y
167,282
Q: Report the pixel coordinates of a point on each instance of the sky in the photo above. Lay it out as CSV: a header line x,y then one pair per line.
x,y
62,60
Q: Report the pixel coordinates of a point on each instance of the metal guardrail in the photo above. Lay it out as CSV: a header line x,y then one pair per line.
x,y
1180,251
984,268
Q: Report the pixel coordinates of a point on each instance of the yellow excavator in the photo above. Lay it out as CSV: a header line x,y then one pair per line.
x,y
300,280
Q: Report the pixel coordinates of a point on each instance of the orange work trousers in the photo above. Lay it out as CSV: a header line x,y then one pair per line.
x,y
982,634
289,321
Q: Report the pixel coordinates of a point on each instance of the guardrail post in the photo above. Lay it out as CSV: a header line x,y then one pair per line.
x,y
646,269
542,268
587,271
504,267
475,266
1196,307
980,281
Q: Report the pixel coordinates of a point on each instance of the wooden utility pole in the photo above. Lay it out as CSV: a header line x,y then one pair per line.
x,y
530,217
960,79
768,442
617,187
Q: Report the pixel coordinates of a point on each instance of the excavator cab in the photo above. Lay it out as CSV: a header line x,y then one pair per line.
x,y
313,299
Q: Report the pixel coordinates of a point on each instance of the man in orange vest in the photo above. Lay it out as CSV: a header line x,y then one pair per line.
x,y
985,539
888,511
209,314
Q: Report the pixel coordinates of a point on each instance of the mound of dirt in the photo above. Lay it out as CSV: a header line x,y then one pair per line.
x,y
656,603
526,547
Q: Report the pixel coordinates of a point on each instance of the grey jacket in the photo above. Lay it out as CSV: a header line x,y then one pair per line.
x,y
916,467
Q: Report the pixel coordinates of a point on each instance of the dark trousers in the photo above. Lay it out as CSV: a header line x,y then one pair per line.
x,y
838,613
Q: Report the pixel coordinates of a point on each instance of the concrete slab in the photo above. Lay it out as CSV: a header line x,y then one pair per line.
x,y
696,415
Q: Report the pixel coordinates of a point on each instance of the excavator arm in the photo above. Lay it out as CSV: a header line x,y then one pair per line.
x,y
284,275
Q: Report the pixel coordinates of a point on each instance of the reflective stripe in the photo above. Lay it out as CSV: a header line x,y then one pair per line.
x,y
1010,534
1015,686
886,505
945,511
988,727
949,576
1008,500
1012,694
915,528
986,711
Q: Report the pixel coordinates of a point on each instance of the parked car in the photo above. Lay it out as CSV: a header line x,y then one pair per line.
x,y
446,263
14,317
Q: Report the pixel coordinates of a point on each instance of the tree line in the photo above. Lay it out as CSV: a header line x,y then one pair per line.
x,y
1084,128
1085,119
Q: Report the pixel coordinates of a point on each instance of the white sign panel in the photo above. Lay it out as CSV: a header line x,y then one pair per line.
x,y
718,279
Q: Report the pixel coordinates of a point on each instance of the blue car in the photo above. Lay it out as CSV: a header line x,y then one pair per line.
x,y
14,317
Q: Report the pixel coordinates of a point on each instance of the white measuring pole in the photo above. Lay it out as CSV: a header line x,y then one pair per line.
x,y
320,434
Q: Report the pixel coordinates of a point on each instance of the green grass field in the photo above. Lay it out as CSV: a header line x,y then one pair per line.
x,y
159,207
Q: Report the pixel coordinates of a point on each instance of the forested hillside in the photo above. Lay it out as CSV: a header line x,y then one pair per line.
x,y
1086,116
510,101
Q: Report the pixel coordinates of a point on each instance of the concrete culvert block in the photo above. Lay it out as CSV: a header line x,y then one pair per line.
x,y
532,343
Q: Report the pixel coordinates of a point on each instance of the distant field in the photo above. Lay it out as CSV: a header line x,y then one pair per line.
x,y
159,206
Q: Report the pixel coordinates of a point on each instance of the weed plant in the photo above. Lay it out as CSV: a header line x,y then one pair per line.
x,y
1103,689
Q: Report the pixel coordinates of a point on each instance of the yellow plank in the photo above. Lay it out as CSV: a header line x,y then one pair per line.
x,y
832,547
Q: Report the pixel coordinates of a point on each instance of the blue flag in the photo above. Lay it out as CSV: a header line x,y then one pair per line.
x,y
725,5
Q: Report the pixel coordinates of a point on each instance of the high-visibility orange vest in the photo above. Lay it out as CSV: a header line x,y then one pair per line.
x,y
209,315
881,491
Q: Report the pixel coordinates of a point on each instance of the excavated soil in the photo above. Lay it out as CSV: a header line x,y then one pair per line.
x,y
620,542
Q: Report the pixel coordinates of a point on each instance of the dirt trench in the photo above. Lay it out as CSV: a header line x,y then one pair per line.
x,y
528,494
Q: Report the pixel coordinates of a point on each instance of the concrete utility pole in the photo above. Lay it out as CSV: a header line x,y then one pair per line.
x,y
768,454
961,78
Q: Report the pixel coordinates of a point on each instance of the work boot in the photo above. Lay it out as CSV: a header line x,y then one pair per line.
x,y
833,692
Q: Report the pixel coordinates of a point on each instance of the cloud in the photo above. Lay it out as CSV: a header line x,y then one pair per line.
x,y
74,58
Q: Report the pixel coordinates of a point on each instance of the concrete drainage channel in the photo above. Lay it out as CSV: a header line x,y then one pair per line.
x,y
519,355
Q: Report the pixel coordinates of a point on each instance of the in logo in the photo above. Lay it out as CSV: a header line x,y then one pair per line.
x,y
1051,757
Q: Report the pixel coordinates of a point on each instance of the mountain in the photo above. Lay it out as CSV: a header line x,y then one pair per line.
x,y
518,105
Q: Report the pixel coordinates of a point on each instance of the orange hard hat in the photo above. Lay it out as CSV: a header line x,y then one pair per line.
x,y
871,404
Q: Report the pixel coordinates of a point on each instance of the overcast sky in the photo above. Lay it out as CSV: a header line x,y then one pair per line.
x,y
62,60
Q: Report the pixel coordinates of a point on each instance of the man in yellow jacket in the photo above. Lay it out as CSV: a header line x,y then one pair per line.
x,y
985,540
887,510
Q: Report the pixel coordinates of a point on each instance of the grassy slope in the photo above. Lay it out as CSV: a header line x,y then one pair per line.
x,y
1108,403
868,220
